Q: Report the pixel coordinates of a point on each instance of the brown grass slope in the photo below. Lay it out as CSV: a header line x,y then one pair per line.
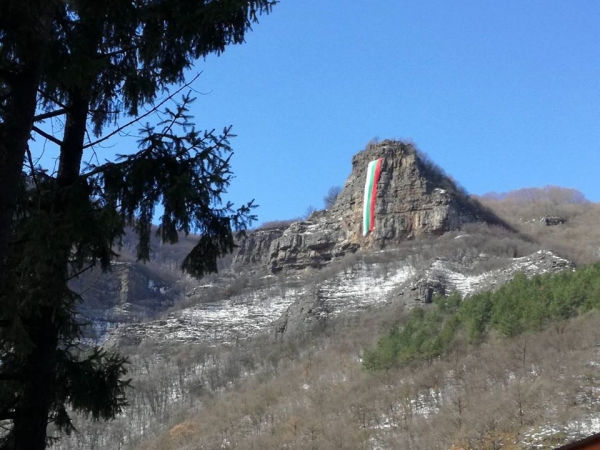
x,y
577,239
317,396
498,395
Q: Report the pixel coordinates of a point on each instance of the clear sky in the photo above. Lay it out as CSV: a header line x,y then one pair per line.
x,y
501,94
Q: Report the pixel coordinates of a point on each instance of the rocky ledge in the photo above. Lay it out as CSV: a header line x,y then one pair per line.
x,y
290,312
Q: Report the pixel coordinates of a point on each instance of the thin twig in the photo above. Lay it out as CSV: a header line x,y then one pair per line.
x,y
83,292
81,272
94,154
116,52
42,154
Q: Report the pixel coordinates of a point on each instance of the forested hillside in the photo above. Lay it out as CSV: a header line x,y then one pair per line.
x,y
503,370
370,363
497,370
521,306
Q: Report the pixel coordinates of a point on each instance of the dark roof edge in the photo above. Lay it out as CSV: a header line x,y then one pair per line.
x,y
578,444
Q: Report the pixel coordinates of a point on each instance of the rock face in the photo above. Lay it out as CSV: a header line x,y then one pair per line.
x,y
299,311
443,277
401,285
549,221
255,248
305,316
126,294
414,198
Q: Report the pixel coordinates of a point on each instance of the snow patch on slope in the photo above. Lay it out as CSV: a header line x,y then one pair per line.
x,y
353,289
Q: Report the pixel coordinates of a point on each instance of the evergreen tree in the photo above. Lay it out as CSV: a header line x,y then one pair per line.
x,y
101,60
98,60
25,33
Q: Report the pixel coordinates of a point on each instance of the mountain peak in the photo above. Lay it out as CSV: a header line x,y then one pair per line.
x,y
413,198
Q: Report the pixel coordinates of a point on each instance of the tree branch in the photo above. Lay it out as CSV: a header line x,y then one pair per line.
x,y
53,99
47,136
137,119
117,52
76,275
5,96
6,413
102,168
35,181
49,115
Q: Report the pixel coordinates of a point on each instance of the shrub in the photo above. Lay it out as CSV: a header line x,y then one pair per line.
x,y
331,196
277,224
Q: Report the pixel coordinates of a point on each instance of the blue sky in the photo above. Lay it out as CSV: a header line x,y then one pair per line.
x,y
501,94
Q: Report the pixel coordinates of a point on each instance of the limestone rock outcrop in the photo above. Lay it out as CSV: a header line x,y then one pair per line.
x,y
414,198
548,221
254,249
306,315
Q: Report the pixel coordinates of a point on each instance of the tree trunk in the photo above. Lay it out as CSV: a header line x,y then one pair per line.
x,y
32,413
31,417
17,118
71,150
15,131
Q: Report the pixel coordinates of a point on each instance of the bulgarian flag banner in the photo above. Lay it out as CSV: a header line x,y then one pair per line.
x,y
373,172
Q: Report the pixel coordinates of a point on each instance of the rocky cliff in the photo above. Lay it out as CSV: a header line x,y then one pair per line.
x,y
413,253
414,198
291,309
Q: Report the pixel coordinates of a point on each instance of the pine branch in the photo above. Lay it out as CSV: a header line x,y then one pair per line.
x,y
112,165
217,143
47,136
35,181
81,272
7,415
7,75
117,52
137,119
52,98
49,115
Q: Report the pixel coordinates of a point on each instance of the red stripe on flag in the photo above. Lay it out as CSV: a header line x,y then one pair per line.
x,y
374,195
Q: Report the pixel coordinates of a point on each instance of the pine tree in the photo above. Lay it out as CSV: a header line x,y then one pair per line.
x,y
25,31
101,60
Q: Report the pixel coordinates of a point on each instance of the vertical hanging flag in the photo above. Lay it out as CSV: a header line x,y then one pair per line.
x,y
373,172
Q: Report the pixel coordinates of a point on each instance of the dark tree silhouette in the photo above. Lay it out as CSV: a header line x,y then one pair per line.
x,y
90,63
